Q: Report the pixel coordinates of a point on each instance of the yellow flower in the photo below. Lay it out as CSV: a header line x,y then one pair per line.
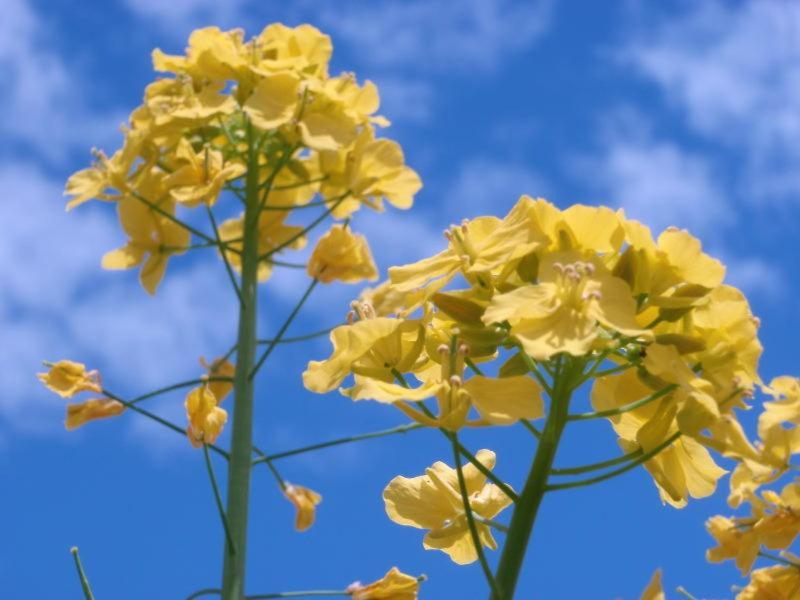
x,y
305,502
684,468
433,501
654,590
272,233
67,378
342,255
199,176
151,235
97,408
567,309
93,183
780,582
476,248
303,49
370,171
211,54
370,346
733,541
206,419
395,585
785,407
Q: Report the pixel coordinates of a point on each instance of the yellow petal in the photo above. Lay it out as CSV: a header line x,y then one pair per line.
x,y
506,400
91,410
654,591
395,585
67,378
274,100
342,255
305,502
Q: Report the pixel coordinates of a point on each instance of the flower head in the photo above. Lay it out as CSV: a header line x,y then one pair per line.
x,y
342,255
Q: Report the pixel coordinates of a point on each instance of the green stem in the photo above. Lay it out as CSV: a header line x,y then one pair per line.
x,y
530,427
217,497
491,523
526,509
298,338
778,559
345,440
625,407
631,465
205,592
598,465
305,230
87,590
177,386
222,252
233,576
157,419
308,594
283,329
173,218
473,529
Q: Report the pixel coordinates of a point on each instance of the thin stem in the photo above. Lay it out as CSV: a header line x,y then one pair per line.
x,y
631,465
530,427
298,338
291,186
218,497
283,329
598,465
526,509
87,590
290,265
491,523
205,592
239,472
504,487
471,364
222,251
275,473
177,386
173,218
682,591
344,440
613,371
625,407
292,239
778,559
473,529
535,370
157,419
295,206
267,185
308,594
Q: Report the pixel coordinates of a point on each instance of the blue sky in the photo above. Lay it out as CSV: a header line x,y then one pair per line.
x,y
683,113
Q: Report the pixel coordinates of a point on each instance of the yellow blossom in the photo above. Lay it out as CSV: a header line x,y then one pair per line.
x,y
654,590
206,418
272,233
785,407
367,173
211,54
200,175
682,469
97,408
781,582
153,239
67,378
303,49
370,346
342,255
433,502
395,585
305,502
567,309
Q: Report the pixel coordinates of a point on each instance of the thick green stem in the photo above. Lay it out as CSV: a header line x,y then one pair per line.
x,y
233,577
527,507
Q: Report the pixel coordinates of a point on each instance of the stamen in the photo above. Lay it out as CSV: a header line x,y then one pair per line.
x,y
443,350
756,321
455,381
463,350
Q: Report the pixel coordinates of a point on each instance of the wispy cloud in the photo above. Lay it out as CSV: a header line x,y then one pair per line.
x,y
733,69
41,106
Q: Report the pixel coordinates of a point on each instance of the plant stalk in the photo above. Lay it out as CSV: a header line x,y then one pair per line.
x,y
525,510
233,575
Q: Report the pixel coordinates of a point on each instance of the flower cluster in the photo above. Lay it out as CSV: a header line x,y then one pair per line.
x,y
262,115
774,520
578,295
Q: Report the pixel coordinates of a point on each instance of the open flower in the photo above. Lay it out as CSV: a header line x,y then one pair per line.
x,y
342,255
67,378
433,502
305,502
395,585
780,582
199,176
684,468
81,413
566,311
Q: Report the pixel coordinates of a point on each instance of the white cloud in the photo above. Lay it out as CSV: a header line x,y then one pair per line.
x,y
57,303
484,186
756,277
733,68
658,183
424,34
179,17
41,104
405,98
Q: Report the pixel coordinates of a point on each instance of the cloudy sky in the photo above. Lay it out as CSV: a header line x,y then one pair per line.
x,y
684,114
